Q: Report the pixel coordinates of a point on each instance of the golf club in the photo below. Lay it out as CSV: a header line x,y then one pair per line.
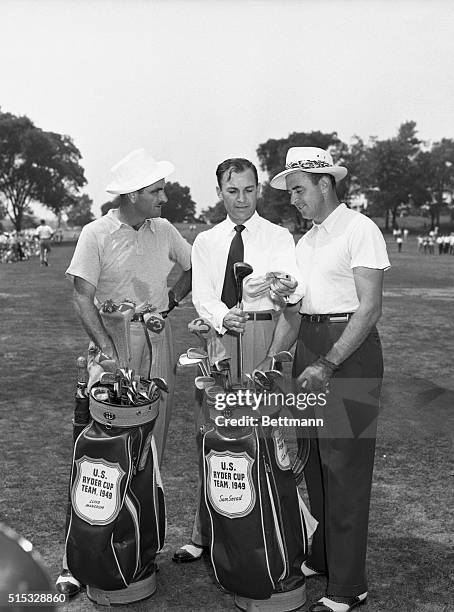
x,y
107,378
279,358
117,324
249,379
199,328
240,271
204,382
82,377
160,383
262,380
223,367
276,378
151,323
184,360
198,353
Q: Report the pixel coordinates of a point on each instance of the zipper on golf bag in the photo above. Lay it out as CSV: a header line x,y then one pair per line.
x,y
274,501
159,499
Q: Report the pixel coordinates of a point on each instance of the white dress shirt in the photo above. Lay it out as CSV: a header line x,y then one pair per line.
x,y
327,254
267,248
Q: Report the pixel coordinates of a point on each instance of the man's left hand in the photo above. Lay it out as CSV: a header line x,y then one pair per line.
x,y
315,377
172,304
281,283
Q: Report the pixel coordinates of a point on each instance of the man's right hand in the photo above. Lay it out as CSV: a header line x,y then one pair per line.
x,y
235,320
108,357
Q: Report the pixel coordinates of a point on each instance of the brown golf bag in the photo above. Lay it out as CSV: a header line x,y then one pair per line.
x,y
117,520
258,532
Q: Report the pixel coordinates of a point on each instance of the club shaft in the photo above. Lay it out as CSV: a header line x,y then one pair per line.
x,y
240,357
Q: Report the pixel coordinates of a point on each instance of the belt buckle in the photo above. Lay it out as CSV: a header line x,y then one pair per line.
x,y
342,319
314,318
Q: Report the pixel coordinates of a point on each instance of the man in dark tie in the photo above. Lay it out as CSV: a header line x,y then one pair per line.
x,y
267,247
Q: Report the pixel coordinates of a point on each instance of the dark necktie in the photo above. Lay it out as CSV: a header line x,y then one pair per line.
x,y
236,254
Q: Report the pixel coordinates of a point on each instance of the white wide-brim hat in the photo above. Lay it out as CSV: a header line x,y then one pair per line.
x,y
137,170
308,159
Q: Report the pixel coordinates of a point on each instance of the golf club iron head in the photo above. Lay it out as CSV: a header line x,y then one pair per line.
x,y
204,382
160,384
262,380
279,358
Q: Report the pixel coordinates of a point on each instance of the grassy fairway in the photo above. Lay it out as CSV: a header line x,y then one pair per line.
x,y
410,551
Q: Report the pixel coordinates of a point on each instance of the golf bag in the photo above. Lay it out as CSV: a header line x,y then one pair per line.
x,y
117,521
258,531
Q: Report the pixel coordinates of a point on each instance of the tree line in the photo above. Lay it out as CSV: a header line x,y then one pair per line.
x,y
391,175
394,174
44,167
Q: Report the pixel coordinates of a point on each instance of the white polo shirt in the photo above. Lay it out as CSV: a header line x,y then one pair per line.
x,y
123,263
327,254
44,232
267,248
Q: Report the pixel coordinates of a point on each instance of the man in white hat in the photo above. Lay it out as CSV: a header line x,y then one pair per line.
x,y
341,262
244,236
128,254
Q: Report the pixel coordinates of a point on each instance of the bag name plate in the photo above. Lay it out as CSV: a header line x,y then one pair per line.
x,y
96,490
230,487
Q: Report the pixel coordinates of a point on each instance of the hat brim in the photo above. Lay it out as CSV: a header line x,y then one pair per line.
x,y
161,171
278,182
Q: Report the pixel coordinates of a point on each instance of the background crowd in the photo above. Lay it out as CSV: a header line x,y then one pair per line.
x,y
22,246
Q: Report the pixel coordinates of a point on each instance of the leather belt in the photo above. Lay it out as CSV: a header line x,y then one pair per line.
x,y
259,316
338,317
139,316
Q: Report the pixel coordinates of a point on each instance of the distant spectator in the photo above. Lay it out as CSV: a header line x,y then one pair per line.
x,y
399,241
58,236
406,233
44,233
440,244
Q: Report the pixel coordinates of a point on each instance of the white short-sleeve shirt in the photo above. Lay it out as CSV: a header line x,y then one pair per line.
x,y
44,232
327,254
123,263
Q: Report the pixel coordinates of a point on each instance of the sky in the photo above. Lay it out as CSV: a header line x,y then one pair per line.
x,y
198,81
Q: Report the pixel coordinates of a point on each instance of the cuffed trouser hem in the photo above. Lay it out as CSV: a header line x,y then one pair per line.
x,y
315,566
345,590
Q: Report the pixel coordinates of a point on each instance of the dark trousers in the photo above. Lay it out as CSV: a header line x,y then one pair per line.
x,y
339,470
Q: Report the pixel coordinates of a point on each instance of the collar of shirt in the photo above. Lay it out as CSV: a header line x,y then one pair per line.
x,y
251,224
330,221
115,223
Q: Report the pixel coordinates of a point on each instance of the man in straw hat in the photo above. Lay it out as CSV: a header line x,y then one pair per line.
x,y
128,254
341,262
